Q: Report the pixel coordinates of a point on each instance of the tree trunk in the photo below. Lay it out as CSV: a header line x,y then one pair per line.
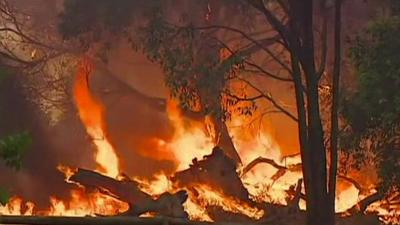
x,y
224,140
317,195
315,172
334,111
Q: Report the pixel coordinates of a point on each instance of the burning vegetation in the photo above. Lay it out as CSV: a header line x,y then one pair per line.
x,y
207,185
211,149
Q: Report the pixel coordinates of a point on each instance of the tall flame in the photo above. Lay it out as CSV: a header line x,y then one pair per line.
x,y
190,140
92,114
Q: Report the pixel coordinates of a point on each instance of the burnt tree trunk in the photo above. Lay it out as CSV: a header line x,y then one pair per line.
x,y
317,196
224,140
334,110
301,46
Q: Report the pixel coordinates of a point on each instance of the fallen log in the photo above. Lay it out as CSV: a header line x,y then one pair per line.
x,y
362,205
128,191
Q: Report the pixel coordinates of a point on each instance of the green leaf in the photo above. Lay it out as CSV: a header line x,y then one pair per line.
x,y
4,196
13,148
373,113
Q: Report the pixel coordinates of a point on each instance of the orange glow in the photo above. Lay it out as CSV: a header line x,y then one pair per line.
x,y
191,139
82,204
206,196
91,113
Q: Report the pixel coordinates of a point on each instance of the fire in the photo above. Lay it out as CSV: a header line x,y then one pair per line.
x,y
206,196
200,198
189,142
91,112
80,204
83,204
264,182
16,206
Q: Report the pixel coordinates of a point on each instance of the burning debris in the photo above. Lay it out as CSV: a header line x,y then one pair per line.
x,y
211,188
211,196
216,170
219,207
128,191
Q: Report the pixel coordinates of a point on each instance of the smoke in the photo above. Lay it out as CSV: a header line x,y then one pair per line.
x,y
135,123
38,179
134,126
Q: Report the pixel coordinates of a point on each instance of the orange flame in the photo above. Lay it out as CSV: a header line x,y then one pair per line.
x,y
91,112
189,141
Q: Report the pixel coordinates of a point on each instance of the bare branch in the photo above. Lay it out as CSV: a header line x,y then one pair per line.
x,y
279,27
260,69
259,160
269,74
252,48
270,99
254,41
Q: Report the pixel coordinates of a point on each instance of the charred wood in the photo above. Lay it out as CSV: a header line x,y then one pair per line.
x,y
216,170
128,191
362,205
